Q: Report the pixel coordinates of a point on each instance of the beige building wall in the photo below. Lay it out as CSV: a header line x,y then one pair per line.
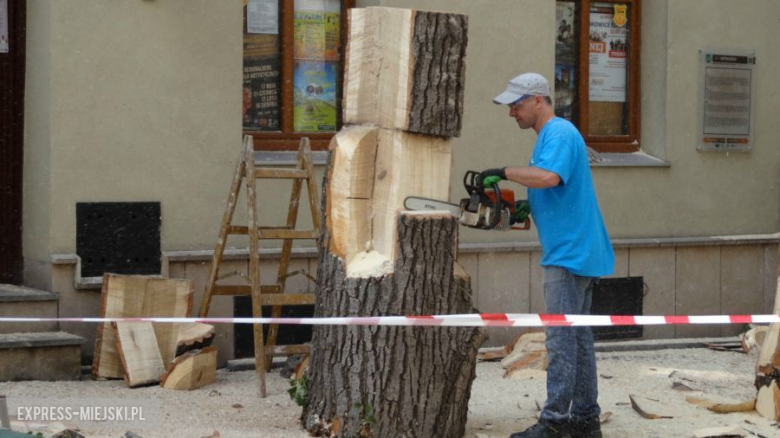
x,y
141,101
699,193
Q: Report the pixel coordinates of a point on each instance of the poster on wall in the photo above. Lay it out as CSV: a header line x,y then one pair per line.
x,y
261,94
565,60
316,35
315,96
4,45
608,52
727,100
262,16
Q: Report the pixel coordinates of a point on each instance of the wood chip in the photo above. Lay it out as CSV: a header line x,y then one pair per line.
x,y
648,408
722,408
604,417
682,387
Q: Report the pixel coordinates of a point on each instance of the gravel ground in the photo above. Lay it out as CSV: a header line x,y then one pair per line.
x,y
497,408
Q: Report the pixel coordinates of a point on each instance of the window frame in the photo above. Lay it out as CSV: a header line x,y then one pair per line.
x,y
287,139
613,143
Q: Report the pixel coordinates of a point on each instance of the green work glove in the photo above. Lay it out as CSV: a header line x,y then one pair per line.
x,y
522,210
490,181
485,174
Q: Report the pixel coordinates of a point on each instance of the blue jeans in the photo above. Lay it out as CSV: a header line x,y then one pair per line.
x,y
572,383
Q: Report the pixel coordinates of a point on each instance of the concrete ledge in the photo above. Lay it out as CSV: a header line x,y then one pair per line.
x,y
40,339
307,252
10,293
40,356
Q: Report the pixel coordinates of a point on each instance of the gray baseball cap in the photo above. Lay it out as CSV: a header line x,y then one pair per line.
x,y
532,84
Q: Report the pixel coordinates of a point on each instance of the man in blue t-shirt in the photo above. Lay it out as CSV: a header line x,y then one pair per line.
x,y
576,251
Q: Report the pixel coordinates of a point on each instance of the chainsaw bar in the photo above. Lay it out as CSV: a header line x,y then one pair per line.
x,y
420,204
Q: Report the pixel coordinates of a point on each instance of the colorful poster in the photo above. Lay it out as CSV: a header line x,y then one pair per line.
x,y
315,96
261,95
4,45
262,16
317,35
609,38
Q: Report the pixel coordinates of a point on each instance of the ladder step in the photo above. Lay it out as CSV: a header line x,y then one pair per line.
x,y
276,232
269,295
286,350
271,172
239,290
287,299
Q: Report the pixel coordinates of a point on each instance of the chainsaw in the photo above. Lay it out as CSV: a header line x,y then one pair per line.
x,y
495,209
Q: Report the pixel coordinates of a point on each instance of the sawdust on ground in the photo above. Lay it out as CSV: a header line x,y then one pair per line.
x,y
497,407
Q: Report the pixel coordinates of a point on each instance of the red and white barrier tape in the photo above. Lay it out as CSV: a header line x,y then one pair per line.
x,y
470,320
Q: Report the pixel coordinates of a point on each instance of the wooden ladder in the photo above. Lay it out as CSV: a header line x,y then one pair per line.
x,y
265,295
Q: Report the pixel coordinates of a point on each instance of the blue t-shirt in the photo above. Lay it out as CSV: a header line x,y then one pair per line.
x,y
567,216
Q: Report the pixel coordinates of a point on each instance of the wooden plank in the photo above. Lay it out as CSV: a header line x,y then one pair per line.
x,y
130,296
288,234
287,350
281,173
194,369
287,299
138,351
240,290
254,266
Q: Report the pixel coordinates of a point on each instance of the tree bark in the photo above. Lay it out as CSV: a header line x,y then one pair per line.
x,y
395,381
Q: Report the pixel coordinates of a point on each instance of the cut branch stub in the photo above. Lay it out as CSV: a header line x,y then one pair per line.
x,y
405,69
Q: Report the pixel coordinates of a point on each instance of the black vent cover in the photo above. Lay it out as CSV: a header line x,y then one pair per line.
x,y
118,237
618,296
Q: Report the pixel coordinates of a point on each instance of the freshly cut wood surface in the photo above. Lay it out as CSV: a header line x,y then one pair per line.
x,y
129,296
406,165
768,401
351,189
405,69
138,352
373,171
193,336
194,369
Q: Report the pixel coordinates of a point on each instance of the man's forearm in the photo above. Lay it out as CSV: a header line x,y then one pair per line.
x,y
532,177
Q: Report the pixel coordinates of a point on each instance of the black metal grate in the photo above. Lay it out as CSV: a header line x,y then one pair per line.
x,y
618,296
244,337
118,237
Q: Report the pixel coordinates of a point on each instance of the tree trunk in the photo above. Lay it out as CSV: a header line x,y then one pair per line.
x,y
395,381
403,94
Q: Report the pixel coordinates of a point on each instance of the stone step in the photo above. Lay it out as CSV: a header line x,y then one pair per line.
x,y
20,301
40,356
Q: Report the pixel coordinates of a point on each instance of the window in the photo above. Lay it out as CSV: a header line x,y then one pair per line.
x,y
293,64
597,71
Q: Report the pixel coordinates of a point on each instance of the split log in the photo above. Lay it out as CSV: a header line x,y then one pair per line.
x,y
194,369
193,336
405,70
138,352
130,296
528,353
